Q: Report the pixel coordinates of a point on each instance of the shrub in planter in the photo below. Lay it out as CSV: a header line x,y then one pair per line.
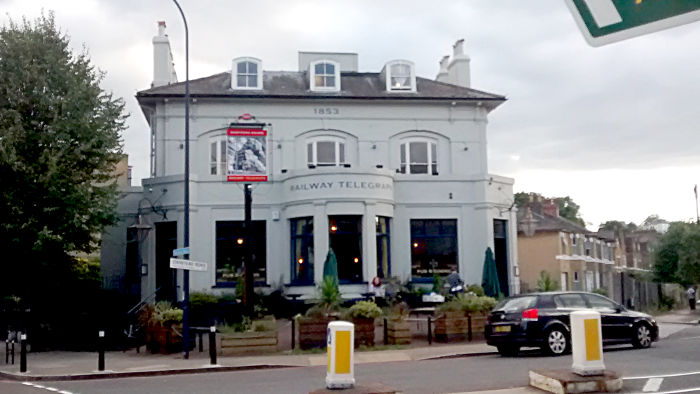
x,y
451,322
312,327
362,314
398,327
163,332
256,336
476,309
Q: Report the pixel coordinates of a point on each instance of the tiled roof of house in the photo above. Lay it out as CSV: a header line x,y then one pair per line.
x,y
354,85
549,223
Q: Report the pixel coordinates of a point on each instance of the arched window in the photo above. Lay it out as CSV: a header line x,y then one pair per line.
x,y
325,76
419,156
246,73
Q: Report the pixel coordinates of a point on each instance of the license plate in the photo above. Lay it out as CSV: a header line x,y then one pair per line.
x,y
501,329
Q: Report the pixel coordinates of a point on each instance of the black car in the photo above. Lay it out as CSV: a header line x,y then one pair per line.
x,y
542,320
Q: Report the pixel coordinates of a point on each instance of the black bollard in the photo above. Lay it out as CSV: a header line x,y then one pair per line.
x,y
23,353
13,352
386,332
293,333
212,345
101,351
430,330
201,345
469,327
7,350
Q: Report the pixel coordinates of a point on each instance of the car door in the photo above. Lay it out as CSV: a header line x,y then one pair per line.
x,y
613,322
567,303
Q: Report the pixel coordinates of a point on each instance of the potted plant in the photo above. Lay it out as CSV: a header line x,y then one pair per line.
x,y
362,314
476,309
249,336
163,327
398,327
312,326
451,322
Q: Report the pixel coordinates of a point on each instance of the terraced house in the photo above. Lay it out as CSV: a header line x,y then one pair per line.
x,y
387,169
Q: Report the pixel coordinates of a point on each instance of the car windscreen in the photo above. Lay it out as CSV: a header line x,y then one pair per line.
x,y
516,304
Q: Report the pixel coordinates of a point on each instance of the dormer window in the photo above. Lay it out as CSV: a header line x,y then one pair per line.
x,y
400,76
247,73
325,76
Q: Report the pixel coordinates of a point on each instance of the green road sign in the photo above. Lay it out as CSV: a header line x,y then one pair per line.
x,y
606,21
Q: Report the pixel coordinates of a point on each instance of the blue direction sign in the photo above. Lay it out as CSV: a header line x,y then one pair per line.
x,y
181,251
606,21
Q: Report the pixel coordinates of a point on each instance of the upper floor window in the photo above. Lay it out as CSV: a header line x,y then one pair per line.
x,y
325,152
419,157
400,76
217,156
247,73
325,76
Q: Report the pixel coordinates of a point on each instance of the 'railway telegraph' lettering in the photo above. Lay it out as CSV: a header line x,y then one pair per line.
x,y
341,185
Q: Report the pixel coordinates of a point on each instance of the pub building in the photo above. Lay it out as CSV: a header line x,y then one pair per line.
x,y
386,168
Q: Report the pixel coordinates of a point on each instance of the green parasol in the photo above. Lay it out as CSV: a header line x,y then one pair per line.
x,y
489,278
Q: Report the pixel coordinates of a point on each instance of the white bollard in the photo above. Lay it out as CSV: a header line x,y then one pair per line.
x,y
586,343
341,371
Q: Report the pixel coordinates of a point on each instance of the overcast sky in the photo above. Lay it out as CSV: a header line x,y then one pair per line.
x,y
613,127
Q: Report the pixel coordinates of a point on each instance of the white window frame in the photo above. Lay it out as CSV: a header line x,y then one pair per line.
x,y
338,144
235,74
336,75
391,87
219,164
405,152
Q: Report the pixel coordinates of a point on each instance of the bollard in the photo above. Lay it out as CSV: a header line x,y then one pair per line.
x,y
13,352
586,343
386,331
23,353
101,350
340,337
7,350
430,331
469,327
212,345
201,338
293,333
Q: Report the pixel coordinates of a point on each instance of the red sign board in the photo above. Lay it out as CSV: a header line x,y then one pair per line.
x,y
246,155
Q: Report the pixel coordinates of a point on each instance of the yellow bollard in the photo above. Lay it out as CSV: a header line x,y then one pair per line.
x,y
341,371
586,343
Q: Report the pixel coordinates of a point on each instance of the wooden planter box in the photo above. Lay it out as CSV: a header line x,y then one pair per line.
x,y
364,332
478,324
312,331
398,332
163,340
451,326
248,342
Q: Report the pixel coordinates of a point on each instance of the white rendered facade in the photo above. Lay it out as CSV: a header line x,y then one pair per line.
x,y
454,186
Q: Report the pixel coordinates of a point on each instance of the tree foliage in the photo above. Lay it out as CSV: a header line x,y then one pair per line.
x,y
677,256
59,143
568,209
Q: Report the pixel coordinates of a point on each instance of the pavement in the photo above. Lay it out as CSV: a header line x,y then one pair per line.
x,y
61,365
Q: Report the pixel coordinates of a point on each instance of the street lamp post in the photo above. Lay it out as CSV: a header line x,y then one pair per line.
x,y
186,273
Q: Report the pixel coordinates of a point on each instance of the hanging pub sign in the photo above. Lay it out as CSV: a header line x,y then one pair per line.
x,y
246,154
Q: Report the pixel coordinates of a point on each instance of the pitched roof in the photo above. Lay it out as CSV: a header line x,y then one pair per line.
x,y
550,223
354,85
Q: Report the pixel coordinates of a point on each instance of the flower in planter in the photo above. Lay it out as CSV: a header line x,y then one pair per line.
x,y
364,310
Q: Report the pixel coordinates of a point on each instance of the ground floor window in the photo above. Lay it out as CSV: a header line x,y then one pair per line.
x,y
383,258
433,247
231,249
302,251
345,238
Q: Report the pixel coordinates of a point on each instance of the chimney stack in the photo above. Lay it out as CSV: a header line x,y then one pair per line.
x,y
443,74
459,66
550,208
163,67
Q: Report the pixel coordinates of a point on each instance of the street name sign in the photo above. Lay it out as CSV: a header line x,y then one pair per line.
x,y
181,251
187,265
607,21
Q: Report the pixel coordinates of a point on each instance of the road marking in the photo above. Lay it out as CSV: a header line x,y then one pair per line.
x,y
670,375
691,390
653,385
604,12
38,386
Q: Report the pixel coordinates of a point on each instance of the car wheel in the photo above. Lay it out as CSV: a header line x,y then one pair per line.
x,y
642,336
556,341
508,350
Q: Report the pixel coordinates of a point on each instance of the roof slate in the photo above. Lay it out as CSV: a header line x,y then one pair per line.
x,y
291,84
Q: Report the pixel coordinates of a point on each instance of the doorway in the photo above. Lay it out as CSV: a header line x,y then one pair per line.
x,y
500,244
166,278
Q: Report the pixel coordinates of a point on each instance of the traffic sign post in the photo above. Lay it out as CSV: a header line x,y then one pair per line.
x,y
607,21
